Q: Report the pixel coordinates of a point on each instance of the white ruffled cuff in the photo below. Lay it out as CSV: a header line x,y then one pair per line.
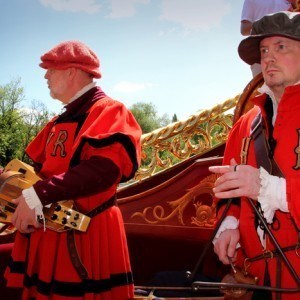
x,y
229,222
272,194
34,202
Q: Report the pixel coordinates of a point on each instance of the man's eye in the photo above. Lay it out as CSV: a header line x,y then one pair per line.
x,y
281,46
264,50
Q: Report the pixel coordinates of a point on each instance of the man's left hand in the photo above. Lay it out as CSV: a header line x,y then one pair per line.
x,y
236,181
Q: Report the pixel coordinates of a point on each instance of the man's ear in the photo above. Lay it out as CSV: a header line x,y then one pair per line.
x,y
72,72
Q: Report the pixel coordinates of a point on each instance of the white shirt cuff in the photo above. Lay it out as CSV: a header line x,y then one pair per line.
x,y
229,222
33,202
272,194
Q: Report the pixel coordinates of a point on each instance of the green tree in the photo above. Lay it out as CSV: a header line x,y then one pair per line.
x,y
11,95
146,115
174,118
17,124
164,120
34,119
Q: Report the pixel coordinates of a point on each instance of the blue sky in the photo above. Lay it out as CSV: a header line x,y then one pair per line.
x,y
180,55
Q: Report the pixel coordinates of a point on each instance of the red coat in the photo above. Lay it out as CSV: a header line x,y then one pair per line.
x,y
94,129
287,155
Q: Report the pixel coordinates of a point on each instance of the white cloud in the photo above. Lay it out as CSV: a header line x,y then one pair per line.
x,y
195,15
131,87
87,6
125,8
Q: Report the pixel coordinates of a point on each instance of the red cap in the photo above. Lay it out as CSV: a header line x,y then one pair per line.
x,y
72,54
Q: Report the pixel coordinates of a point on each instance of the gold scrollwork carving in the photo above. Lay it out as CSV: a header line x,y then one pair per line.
x,y
164,147
203,216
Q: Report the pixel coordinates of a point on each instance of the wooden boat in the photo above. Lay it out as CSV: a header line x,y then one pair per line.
x,y
168,209
170,216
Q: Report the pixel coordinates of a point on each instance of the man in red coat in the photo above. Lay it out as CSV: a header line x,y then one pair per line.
x,y
82,154
275,43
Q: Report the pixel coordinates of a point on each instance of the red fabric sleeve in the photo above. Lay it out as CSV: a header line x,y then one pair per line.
x,y
108,118
89,177
233,148
292,192
231,151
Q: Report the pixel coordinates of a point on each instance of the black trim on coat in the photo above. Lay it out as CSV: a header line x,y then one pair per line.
x,y
77,289
114,138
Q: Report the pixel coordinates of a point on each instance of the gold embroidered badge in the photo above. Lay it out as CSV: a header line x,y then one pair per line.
x,y
297,151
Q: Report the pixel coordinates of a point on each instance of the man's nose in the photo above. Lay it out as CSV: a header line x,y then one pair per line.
x,y
269,57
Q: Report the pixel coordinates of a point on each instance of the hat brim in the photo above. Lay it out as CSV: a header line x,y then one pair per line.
x,y
94,71
249,50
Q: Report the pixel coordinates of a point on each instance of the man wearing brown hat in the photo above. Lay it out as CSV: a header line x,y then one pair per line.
x,y
82,154
261,168
256,9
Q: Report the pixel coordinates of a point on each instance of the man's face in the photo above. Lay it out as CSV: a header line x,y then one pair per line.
x,y
57,83
280,62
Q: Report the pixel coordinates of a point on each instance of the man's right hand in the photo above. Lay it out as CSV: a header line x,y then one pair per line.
x,y
24,218
226,245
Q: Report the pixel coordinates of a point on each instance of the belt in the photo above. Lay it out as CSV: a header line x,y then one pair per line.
x,y
272,253
74,256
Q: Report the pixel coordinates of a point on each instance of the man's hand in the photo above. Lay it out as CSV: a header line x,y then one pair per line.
x,y
236,181
24,218
226,245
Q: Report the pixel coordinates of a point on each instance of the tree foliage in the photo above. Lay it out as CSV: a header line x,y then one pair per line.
x,y
174,118
34,119
147,117
11,96
17,124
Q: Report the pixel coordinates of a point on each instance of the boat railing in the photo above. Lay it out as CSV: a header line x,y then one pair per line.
x,y
198,134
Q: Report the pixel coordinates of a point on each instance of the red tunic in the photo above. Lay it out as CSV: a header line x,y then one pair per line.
x,y
287,135
94,133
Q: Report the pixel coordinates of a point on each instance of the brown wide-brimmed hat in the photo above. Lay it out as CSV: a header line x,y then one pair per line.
x,y
284,23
